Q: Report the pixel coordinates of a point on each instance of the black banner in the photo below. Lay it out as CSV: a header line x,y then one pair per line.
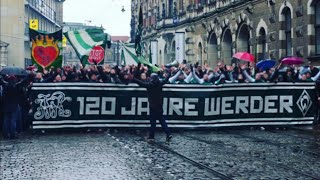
x,y
77,105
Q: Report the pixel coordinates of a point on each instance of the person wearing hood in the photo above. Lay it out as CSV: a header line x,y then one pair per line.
x,y
155,98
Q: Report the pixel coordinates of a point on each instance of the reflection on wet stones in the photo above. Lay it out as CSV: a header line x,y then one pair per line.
x,y
121,154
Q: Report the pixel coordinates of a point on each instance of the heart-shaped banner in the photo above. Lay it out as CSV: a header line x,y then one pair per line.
x,y
45,56
45,50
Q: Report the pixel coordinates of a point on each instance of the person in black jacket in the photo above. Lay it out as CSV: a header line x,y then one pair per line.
x,y
11,101
155,98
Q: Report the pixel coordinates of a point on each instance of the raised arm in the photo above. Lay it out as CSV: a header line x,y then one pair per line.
x,y
2,81
175,77
212,75
141,83
200,81
25,80
247,76
188,78
222,76
315,78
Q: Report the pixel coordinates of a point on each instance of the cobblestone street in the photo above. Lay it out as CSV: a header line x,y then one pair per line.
x,y
123,154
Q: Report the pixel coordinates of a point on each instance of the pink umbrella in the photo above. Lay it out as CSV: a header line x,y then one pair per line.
x,y
292,60
244,56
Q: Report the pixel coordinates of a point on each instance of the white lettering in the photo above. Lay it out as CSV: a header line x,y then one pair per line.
x,y
254,99
242,103
81,108
112,110
226,104
286,103
175,104
165,106
92,103
131,111
143,109
188,107
269,104
213,107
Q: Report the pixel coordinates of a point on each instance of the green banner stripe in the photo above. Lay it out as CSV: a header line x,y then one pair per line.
x,y
81,41
134,57
75,44
96,34
68,38
142,60
131,45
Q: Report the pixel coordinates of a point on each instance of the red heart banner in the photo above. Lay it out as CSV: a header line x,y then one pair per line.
x,y
45,50
45,56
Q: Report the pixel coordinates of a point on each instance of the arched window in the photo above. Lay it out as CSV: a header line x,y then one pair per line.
x,y
199,54
288,32
173,51
166,55
243,39
160,61
181,5
262,44
227,51
212,50
170,13
317,27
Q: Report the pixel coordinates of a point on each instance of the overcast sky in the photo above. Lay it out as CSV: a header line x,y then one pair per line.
x,y
105,12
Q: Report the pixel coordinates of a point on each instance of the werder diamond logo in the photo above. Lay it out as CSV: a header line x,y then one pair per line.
x,y
304,102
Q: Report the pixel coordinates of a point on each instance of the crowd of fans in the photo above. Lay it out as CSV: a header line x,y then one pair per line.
x,y
15,90
183,74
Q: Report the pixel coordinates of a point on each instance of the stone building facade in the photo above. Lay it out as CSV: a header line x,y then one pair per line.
x,y
14,26
216,29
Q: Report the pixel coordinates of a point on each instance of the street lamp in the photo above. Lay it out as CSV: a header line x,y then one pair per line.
x,y
285,3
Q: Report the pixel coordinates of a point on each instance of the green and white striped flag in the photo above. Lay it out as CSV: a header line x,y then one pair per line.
x,y
84,41
128,56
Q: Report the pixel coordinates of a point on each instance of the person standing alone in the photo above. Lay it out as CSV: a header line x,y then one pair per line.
x,y
155,98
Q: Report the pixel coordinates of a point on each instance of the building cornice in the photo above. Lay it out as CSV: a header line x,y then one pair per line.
x,y
205,17
4,44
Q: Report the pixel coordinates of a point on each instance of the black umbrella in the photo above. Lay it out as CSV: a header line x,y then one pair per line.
x,y
12,70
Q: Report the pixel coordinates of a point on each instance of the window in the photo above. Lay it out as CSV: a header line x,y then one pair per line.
x,y
288,26
158,12
317,27
170,8
181,5
263,44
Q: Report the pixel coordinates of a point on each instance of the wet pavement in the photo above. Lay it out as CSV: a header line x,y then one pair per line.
x,y
124,154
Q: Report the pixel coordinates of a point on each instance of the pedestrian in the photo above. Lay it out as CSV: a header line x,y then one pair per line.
x,y
155,98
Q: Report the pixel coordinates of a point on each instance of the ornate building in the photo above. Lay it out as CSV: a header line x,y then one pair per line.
x,y
215,29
